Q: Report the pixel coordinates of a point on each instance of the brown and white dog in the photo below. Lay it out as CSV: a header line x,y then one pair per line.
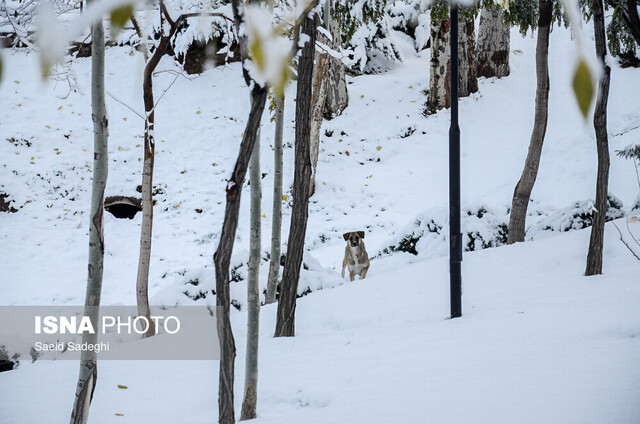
x,y
355,255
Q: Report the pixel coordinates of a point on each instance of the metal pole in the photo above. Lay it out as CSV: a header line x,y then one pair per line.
x,y
455,237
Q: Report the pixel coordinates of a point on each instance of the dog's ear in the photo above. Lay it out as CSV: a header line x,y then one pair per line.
x,y
346,236
361,234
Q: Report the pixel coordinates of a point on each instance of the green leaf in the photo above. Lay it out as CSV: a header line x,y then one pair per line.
x,y
119,18
583,87
120,386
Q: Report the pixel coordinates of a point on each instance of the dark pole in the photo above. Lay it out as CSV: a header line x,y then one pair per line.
x,y
455,237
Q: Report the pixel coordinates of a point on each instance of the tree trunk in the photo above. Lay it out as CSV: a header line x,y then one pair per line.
x,y
522,192
631,19
468,72
493,43
222,257
337,96
285,325
439,75
596,241
249,403
142,281
88,362
276,225
318,99
439,86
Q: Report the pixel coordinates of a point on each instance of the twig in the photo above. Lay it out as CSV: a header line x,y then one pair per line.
x,y
126,105
165,91
625,242
632,235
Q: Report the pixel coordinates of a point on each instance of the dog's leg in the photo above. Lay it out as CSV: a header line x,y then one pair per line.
x,y
344,265
352,275
364,272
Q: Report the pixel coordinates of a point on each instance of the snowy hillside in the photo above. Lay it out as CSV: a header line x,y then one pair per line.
x,y
538,341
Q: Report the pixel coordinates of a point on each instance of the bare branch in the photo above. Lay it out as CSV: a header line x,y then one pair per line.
x,y
125,105
625,242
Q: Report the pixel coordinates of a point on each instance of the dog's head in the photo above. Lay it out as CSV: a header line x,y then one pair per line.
x,y
353,238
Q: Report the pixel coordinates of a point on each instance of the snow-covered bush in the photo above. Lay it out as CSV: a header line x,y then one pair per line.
x,y
366,31
483,227
633,152
577,216
412,18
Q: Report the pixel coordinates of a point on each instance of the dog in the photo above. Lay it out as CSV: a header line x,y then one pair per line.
x,y
355,255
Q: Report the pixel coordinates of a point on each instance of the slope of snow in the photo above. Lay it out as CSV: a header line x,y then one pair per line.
x,y
538,342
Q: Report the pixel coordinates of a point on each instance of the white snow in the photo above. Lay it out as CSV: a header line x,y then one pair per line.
x,y
538,341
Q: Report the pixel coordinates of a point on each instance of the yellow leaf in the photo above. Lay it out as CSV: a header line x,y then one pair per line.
x,y
583,87
285,197
264,215
198,112
378,148
117,414
119,18
346,152
256,53
124,119
120,386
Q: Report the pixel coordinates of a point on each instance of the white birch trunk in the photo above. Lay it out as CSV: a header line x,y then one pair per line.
x,y
89,360
337,98
276,226
317,106
249,403
493,44
439,75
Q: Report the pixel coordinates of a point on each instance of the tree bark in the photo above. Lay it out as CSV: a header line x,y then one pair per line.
x,y
522,192
337,96
318,98
596,241
89,359
631,19
276,225
250,401
493,43
222,257
144,261
439,75
285,325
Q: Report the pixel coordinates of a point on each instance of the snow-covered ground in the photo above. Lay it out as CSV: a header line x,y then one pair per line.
x,y
538,342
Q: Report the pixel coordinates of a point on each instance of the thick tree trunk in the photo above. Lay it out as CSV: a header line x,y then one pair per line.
x,y
250,400
468,73
276,225
89,359
222,257
493,43
631,19
522,192
285,325
317,106
596,242
439,86
337,96
439,75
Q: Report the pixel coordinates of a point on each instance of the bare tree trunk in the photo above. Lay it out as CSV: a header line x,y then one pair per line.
x,y
493,43
276,225
222,257
250,401
89,359
522,192
596,241
142,281
318,99
337,96
468,73
439,75
439,95
285,325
